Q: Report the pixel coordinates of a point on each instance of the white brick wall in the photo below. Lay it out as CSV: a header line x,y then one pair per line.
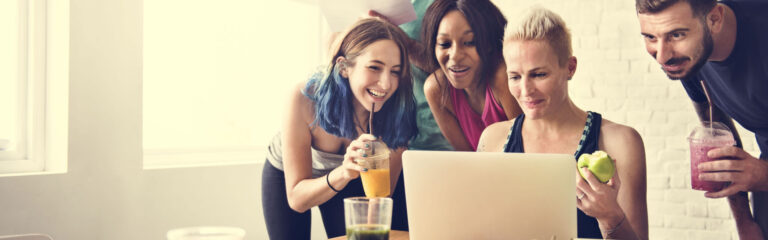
x,y
617,78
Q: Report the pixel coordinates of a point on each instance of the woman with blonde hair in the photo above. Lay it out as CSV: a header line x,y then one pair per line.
x,y
539,61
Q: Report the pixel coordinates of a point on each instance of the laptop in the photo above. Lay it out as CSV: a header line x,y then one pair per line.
x,y
482,195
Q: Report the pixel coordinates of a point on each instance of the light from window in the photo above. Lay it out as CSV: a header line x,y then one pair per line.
x,y
33,86
216,75
12,82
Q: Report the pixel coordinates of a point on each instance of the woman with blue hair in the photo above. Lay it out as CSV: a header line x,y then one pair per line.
x,y
312,162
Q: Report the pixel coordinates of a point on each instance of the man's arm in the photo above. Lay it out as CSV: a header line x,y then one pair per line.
x,y
739,203
745,224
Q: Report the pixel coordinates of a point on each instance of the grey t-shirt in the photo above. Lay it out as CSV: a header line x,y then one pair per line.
x,y
322,162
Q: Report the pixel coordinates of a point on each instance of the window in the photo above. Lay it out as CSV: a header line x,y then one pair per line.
x,y
33,85
13,85
216,74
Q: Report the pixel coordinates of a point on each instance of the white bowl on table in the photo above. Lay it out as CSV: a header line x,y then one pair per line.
x,y
206,233
4,144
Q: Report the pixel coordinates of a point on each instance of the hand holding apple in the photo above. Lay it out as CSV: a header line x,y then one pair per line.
x,y
599,200
599,163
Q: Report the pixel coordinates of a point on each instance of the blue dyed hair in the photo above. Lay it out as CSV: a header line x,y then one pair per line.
x,y
395,122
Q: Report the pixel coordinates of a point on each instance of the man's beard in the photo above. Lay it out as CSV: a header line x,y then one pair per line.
x,y
705,50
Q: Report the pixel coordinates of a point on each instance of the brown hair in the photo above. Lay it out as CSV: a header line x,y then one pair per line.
x,y
700,8
364,32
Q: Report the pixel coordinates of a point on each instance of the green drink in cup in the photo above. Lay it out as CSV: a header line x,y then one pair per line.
x,y
368,218
368,232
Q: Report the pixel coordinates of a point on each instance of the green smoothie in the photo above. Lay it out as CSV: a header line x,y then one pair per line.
x,y
368,232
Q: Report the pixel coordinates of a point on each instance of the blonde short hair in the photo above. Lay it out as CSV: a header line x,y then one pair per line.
x,y
538,23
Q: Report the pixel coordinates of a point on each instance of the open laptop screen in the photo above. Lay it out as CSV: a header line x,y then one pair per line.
x,y
480,195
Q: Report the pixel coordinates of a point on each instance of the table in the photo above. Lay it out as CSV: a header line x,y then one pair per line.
x,y
403,235
393,235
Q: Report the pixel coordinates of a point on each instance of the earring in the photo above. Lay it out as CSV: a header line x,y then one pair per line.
x,y
342,64
343,70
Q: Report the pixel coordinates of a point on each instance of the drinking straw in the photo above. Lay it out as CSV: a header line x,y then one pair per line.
x,y
370,126
706,93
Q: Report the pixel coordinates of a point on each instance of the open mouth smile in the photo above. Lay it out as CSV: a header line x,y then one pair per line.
x,y
377,94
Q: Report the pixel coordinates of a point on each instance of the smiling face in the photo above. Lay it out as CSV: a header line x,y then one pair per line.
x,y
679,41
374,74
456,52
536,79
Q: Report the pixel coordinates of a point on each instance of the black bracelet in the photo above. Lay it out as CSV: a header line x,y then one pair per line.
x,y
327,180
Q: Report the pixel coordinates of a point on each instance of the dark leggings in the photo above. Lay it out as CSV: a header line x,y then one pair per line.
x,y
285,223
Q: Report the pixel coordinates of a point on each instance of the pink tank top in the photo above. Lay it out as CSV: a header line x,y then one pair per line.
x,y
471,123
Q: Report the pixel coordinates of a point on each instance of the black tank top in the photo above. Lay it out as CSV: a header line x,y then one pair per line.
x,y
587,226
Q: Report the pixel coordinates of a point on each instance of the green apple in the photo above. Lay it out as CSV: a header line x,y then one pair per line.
x,y
599,163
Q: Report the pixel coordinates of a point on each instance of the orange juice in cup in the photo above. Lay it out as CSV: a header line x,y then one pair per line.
x,y
376,179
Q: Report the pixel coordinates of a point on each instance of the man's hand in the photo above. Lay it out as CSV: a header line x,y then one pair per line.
x,y
745,172
373,13
415,48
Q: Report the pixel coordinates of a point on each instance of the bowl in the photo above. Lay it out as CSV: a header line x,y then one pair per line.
x,y
206,233
4,144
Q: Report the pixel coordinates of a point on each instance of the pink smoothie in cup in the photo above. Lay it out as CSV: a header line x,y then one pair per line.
x,y
702,140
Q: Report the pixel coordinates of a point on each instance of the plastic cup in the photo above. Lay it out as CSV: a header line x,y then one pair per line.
x,y
701,140
367,218
206,233
376,179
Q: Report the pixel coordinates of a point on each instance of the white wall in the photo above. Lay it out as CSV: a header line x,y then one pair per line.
x,y
107,195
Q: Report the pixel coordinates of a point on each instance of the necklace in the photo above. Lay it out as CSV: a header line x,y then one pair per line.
x,y
362,130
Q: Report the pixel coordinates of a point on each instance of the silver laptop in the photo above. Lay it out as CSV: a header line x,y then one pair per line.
x,y
480,195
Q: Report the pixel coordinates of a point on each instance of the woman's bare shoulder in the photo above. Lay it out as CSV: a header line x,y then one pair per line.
x,y
432,84
300,104
621,139
618,131
494,136
433,91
